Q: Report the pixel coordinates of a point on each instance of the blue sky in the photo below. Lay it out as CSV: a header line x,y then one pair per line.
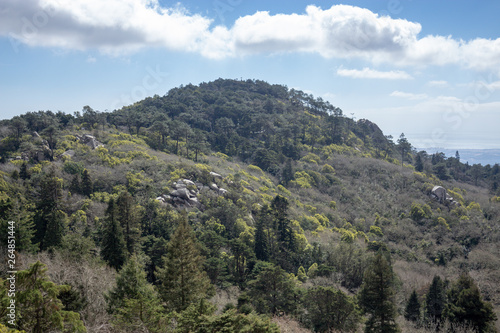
x,y
430,69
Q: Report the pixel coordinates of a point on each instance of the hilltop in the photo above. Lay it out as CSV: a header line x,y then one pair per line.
x,y
266,177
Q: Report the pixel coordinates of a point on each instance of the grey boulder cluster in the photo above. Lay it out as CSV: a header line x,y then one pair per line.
x,y
89,140
185,192
440,194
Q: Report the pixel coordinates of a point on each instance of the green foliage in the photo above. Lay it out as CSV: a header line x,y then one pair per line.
x,y
273,291
412,309
38,308
465,305
330,309
50,219
182,280
376,296
419,212
113,246
435,300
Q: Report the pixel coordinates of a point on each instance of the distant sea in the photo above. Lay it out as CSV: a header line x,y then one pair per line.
x,y
473,156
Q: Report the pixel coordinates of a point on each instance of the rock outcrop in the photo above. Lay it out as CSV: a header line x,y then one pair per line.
x,y
185,193
89,140
440,194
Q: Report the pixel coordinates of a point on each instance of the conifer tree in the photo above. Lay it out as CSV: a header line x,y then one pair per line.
x,y
127,217
182,279
49,219
285,234
38,308
86,186
113,248
330,309
466,305
23,172
260,244
412,310
377,296
435,300
134,302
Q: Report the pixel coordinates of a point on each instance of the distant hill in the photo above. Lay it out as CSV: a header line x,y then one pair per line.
x,y
472,156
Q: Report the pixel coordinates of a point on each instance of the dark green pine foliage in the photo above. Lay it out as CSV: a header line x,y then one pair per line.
x,y
86,186
113,248
260,245
285,233
182,280
435,300
273,291
23,172
466,306
412,310
127,217
331,310
50,219
376,296
131,283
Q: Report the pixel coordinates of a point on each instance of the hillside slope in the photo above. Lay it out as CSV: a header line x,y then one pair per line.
x,y
249,163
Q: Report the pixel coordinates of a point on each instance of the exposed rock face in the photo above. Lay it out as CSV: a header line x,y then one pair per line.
x,y
185,193
439,193
89,140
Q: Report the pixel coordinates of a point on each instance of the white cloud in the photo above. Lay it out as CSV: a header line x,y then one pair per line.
x,y
367,73
409,96
438,84
342,31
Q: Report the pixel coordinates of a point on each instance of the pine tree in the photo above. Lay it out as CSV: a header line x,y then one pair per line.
x,y
285,234
260,244
377,296
273,291
86,186
182,280
466,305
412,310
113,248
23,172
130,283
49,218
127,217
435,300
419,163
38,307
330,309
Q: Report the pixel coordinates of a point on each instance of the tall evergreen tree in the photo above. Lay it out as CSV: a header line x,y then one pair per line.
x,y
273,291
132,290
182,279
330,309
260,244
113,247
435,300
38,307
86,186
285,234
412,310
466,305
127,217
50,219
377,296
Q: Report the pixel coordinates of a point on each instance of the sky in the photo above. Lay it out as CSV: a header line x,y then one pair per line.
x,y
428,69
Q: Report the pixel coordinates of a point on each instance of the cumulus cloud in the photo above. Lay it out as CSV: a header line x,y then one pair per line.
x,y
367,73
409,96
342,31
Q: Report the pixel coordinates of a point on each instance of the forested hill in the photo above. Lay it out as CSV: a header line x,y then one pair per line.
x,y
240,206
258,122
